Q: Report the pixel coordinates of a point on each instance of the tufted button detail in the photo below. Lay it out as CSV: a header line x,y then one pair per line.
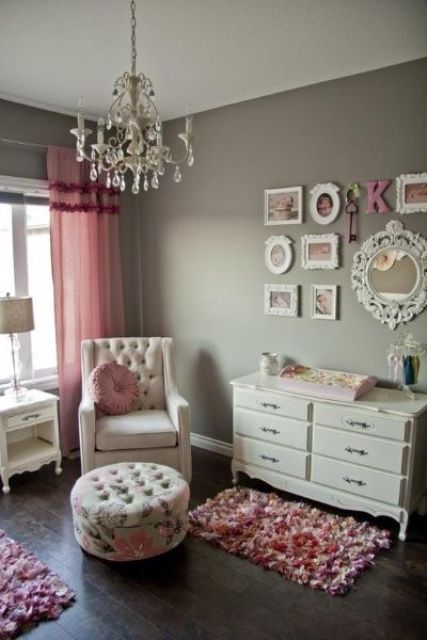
x,y
148,491
107,345
145,393
165,483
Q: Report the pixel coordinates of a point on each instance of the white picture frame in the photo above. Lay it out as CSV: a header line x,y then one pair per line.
x,y
283,206
281,300
325,203
411,193
324,301
319,251
278,254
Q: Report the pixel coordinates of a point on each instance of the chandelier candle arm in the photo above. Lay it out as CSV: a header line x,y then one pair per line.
x,y
137,141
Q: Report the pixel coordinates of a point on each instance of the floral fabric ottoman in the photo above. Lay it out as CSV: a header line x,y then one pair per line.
x,y
130,511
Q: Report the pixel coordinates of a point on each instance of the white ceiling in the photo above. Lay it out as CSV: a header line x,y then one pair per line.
x,y
207,52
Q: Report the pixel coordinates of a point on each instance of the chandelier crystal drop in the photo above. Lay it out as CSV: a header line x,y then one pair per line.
x,y
136,142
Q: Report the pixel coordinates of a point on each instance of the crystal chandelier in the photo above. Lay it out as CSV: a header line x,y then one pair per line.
x,y
136,141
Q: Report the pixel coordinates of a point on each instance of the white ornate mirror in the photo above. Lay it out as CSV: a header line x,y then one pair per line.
x,y
389,274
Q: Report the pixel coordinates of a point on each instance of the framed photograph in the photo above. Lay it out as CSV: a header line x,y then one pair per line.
x,y
325,203
278,254
319,251
283,206
324,301
411,193
281,299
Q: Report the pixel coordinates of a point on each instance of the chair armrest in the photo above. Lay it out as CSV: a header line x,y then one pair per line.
x,y
179,413
87,418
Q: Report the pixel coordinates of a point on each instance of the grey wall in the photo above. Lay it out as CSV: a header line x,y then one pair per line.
x,y
48,128
203,240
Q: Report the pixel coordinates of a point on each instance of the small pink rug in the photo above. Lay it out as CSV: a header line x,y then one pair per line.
x,y
304,544
29,592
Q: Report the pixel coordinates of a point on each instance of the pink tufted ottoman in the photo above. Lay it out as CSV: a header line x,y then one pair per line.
x,y
130,511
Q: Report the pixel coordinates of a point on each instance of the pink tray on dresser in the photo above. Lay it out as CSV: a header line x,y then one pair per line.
x,y
335,385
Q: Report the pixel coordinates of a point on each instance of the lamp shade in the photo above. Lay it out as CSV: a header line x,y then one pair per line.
x,y
16,315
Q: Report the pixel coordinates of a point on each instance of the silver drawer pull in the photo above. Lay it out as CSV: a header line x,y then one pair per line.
x,y
361,452
357,423
269,458
270,405
32,416
360,483
268,430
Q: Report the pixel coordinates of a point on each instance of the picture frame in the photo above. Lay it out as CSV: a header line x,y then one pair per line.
x,y
319,251
283,206
325,203
324,301
411,193
281,300
278,254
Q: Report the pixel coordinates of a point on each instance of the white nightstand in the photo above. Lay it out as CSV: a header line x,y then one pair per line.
x,y
29,435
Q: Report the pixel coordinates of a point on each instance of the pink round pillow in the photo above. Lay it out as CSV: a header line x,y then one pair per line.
x,y
113,388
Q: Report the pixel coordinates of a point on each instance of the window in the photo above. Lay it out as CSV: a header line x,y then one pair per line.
x,y
25,269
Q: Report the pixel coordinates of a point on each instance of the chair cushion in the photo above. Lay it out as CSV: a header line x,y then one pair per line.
x,y
137,430
113,388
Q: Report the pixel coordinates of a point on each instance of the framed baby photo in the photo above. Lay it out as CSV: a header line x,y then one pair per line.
x,y
281,299
325,203
324,301
411,193
319,251
283,206
278,254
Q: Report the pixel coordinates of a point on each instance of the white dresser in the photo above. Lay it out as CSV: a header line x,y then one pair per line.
x,y
368,455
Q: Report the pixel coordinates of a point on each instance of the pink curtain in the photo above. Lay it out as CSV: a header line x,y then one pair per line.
x,y
87,277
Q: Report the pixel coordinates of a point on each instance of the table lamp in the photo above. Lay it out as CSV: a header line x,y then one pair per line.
x,y
16,316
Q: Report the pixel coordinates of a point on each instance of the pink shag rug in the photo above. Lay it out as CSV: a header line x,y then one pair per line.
x,y
29,591
304,544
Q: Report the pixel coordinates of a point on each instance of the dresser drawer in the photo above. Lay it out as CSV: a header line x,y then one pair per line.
x,y
272,403
365,423
264,454
275,429
357,480
369,452
30,417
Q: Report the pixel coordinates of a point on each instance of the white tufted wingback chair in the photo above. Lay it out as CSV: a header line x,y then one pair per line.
x,y
159,430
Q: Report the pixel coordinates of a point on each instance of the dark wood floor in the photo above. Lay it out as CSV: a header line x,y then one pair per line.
x,y
197,591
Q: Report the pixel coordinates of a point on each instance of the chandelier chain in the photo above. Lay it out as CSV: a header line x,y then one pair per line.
x,y
133,36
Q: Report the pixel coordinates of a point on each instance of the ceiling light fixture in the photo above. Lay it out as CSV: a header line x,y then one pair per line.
x,y
136,142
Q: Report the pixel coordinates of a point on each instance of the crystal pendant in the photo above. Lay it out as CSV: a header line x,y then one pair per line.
x,y
177,175
93,154
155,181
190,159
116,179
109,123
108,181
135,188
93,173
146,183
79,156
161,169
122,184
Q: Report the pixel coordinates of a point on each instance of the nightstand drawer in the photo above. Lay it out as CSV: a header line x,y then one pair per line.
x,y
357,480
271,403
364,423
30,417
369,452
264,454
276,429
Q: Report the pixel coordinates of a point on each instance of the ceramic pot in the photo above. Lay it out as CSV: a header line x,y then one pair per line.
x,y
269,364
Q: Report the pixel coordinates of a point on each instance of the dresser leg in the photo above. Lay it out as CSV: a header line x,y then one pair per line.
x,y
403,525
5,480
233,473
